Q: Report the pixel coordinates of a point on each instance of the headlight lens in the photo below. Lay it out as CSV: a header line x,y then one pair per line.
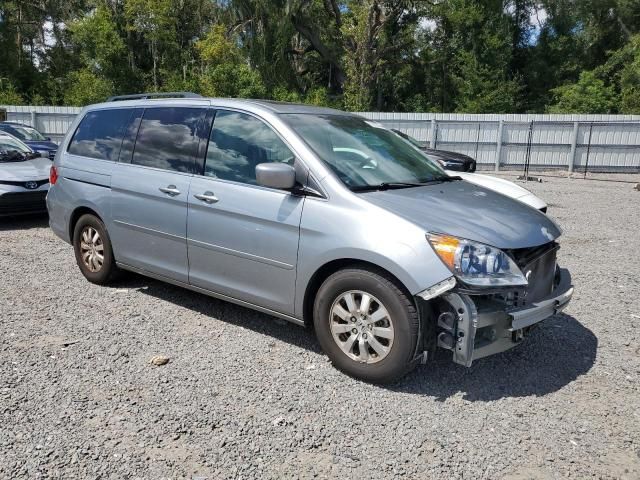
x,y
476,263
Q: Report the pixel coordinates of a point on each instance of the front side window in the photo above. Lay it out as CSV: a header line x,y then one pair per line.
x,y
364,154
168,138
99,134
238,143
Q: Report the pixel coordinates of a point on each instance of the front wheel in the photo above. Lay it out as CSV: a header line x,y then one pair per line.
x,y
367,324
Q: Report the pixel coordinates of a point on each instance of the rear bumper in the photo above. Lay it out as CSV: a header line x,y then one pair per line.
x,y
59,215
486,327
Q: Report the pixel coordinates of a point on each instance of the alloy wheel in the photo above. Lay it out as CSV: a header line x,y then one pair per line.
x,y
361,326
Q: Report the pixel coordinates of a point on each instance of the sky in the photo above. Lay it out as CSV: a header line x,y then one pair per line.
x,y
536,20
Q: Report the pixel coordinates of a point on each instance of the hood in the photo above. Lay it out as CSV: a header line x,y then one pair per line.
x,y
36,169
497,184
41,145
468,211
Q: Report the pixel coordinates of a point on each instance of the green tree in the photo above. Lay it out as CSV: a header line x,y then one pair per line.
x,y
225,72
102,50
394,55
376,36
623,70
83,87
9,95
589,95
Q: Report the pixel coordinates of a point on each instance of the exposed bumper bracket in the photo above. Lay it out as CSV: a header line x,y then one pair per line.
x,y
484,329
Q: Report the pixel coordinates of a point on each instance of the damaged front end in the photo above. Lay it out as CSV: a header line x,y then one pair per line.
x,y
477,322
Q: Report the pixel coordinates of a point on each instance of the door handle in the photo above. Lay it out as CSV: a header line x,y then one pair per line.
x,y
171,190
207,197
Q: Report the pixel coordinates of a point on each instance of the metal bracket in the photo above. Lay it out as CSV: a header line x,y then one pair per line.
x,y
466,327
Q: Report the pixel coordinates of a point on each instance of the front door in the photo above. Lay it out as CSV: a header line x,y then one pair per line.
x,y
243,238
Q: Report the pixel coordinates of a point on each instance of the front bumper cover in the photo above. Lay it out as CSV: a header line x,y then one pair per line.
x,y
481,327
16,200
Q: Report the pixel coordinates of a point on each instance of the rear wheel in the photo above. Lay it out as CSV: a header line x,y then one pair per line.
x,y
367,324
93,251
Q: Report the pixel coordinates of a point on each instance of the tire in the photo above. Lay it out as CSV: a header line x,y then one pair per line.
x,y
383,359
98,272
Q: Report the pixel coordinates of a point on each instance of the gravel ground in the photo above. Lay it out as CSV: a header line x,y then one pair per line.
x,y
248,396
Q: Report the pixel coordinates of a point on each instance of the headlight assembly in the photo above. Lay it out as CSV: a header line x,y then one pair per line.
x,y
475,263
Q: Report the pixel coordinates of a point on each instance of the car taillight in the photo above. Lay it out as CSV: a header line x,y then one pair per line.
x,y
53,175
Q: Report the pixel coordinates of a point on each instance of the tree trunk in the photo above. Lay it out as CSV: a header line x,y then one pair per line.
x,y
155,65
19,36
313,38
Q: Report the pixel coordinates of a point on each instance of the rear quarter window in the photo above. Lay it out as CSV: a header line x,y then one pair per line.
x,y
99,134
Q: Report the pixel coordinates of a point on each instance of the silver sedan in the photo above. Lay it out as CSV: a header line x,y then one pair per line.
x,y
24,178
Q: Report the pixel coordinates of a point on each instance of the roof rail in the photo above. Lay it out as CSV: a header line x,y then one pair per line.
x,y
143,96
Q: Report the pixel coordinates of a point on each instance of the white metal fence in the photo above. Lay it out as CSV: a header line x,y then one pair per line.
x,y
599,142
595,142
51,121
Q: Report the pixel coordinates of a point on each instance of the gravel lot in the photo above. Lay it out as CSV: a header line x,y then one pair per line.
x,y
248,396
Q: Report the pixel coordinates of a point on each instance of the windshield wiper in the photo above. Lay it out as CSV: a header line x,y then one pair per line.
x,y
388,186
394,185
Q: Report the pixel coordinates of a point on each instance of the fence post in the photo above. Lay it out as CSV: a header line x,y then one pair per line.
x,y
574,145
499,145
433,133
33,119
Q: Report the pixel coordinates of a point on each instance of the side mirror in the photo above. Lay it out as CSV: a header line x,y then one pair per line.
x,y
48,139
276,175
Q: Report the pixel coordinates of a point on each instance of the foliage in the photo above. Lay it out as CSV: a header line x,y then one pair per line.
x,y
627,62
229,80
9,96
502,56
589,94
84,87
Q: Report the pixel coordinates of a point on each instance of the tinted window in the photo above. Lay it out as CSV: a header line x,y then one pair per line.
x,y
99,134
168,138
238,143
129,135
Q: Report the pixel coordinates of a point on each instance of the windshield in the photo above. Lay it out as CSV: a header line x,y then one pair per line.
x,y
12,150
364,154
409,138
28,133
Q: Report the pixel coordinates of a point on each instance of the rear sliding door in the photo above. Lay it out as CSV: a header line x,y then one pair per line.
x,y
150,188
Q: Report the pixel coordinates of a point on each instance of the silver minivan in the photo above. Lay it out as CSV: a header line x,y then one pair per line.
x,y
310,214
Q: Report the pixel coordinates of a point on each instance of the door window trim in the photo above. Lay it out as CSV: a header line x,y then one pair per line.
x,y
156,169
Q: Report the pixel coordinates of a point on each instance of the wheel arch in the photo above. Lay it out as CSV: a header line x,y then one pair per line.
x,y
331,267
77,213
